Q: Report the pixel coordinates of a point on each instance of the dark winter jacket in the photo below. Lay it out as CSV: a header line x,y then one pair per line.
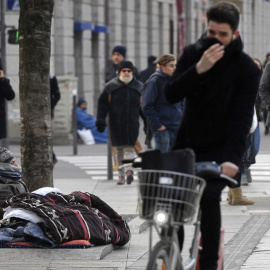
x,y
6,93
219,103
156,107
146,73
122,102
112,72
55,93
264,90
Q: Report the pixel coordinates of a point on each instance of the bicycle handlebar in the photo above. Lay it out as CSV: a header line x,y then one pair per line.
x,y
210,170
205,170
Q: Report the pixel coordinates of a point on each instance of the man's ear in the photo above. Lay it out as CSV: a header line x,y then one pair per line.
x,y
161,67
236,34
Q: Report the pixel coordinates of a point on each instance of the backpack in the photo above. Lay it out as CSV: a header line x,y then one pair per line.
x,y
159,85
147,130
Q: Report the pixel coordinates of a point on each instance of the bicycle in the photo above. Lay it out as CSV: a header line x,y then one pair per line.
x,y
169,200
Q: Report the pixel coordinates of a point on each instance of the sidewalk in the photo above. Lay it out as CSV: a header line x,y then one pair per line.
x,y
247,235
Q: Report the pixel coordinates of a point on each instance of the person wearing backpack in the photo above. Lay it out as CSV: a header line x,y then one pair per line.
x,y
164,118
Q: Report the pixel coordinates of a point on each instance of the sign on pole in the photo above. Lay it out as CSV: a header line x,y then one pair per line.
x,y
13,5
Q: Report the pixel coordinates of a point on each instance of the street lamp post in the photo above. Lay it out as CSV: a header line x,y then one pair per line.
x,y
109,146
3,34
4,141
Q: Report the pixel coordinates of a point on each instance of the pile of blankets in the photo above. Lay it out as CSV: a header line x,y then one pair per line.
x,y
48,219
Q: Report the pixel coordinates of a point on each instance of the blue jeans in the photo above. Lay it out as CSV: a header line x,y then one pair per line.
x,y
164,139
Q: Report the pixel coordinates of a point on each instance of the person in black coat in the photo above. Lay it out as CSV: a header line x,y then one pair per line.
x,y
121,100
146,73
55,93
219,83
6,93
55,97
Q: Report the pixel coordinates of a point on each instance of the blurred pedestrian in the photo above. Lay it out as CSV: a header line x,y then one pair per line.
x,y
164,118
264,92
121,99
55,97
118,55
6,93
151,68
145,75
219,83
243,176
267,59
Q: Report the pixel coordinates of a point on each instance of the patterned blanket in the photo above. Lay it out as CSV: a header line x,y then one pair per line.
x,y
76,216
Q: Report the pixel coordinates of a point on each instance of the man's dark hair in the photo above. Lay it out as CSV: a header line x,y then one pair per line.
x,y
224,12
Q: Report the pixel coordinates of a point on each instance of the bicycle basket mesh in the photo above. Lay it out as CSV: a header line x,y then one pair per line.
x,y
181,192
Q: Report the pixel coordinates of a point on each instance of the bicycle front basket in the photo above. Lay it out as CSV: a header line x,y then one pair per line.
x,y
182,192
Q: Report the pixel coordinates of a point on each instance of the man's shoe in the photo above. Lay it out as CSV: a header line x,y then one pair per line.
x,y
129,177
121,180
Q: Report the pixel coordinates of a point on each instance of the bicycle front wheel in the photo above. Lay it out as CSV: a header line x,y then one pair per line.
x,y
159,257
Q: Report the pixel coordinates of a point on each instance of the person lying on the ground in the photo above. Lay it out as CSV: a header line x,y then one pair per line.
x,y
87,121
63,218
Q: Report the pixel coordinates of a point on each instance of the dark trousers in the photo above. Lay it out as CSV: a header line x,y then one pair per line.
x,y
211,224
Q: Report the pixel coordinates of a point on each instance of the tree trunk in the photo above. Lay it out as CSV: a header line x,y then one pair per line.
x,y
35,102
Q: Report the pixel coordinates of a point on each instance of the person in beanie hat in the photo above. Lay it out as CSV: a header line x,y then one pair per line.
x,y
5,155
10,177
121,99
86,121
118,55
120,50
125,64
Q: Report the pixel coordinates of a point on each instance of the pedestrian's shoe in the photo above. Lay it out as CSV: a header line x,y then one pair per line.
x,y
249,176
238,198
121,180
129,177
266,131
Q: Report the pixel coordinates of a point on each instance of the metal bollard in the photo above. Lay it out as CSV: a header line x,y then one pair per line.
x,y
74,123
109,157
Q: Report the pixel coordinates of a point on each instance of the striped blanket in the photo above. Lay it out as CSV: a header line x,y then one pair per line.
x,y
76,216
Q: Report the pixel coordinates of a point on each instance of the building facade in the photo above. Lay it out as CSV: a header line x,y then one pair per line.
x,y
84,33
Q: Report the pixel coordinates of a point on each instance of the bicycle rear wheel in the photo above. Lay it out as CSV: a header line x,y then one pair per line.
x,y
159,258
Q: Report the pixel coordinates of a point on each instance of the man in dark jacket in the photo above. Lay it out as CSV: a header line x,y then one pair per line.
x,y
55,97
146,73
164,118
121,99
6,93
219,83
118,55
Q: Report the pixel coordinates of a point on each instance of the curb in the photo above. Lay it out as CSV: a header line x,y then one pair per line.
x,y
138,225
